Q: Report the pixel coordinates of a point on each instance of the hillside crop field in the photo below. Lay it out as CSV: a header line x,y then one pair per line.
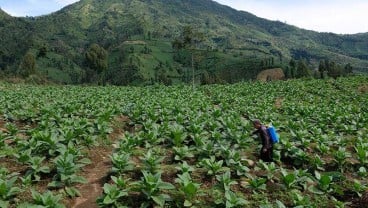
x,y
175,146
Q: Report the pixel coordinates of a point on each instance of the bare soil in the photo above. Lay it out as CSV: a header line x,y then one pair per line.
x,y
271,74
98,172
278,102
363,88
2,126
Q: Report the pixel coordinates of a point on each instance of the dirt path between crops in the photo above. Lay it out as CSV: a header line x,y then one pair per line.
x,y
96,175
98,172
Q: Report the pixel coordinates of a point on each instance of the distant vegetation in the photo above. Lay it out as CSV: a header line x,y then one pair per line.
x,y
154,41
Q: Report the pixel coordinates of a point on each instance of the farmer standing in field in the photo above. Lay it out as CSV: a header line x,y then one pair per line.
x,y
267,145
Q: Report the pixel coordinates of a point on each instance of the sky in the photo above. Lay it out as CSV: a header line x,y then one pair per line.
x,y
337,16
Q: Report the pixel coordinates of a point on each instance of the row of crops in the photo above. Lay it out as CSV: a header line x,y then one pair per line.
x,y
187,148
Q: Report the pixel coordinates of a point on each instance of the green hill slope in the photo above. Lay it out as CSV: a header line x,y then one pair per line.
x,y
138,37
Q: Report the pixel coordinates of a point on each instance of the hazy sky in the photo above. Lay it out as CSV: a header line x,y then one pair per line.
x,y
338,16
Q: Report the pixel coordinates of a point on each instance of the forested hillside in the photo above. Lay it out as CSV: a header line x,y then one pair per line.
x,y
146,41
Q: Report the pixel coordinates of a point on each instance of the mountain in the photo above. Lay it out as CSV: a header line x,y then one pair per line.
x,y
138,36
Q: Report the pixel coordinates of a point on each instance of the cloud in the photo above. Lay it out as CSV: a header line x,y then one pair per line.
x,y
33,7
338,16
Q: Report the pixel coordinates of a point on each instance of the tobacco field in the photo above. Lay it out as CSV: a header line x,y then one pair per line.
x,y
182,147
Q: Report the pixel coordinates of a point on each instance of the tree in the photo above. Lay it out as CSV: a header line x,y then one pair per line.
x,y
190,41
322,68
42,52
205,78
96,59
287,72
28,65
303,70
333,70
348,69
293,68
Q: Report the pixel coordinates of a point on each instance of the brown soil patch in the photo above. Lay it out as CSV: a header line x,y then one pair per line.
x,y
98,172
169,173
119,124
363,88
3,130
271,75
2,126
13,166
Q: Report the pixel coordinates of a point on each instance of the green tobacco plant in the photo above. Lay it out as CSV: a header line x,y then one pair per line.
x,y
359,188
114,193
299,156
317,163
363,172
182,152
304,178
234,200
212,166
47,199
199,140
340,157
75,150
26,180
152,186
46,142
129,143
121,162
257,184
36,167
7,188
12,129
67,168
184,167
207,149
151,161
270,168
324,184
188,189
23,156
340,204
362,153
225,181
300,200
323,148
152,136
289,179
233,160
177,135
280,204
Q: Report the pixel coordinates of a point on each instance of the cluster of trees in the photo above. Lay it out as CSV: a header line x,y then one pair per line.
x,y
332,69
299,68
28,65
97,64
